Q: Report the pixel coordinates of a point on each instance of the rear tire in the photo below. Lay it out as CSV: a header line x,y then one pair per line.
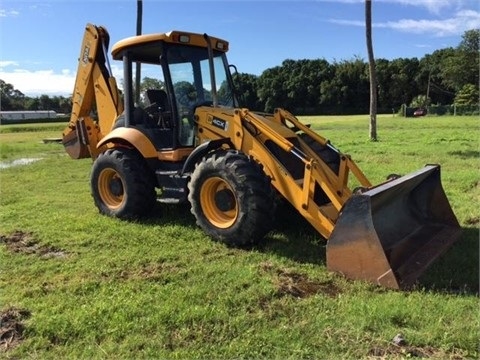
x,y
122,185
231,198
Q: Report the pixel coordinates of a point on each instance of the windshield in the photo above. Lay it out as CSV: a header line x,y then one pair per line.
x,y
191,80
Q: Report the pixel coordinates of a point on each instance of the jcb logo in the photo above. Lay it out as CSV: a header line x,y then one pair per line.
x,y
86,51
219,123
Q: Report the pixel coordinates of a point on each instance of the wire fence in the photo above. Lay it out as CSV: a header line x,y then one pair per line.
x,y
440,110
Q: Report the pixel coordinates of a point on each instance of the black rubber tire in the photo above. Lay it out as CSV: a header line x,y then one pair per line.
x,y
122,185
231,198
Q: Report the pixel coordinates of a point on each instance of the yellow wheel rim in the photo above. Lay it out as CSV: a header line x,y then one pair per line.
x,y
111,188
219,203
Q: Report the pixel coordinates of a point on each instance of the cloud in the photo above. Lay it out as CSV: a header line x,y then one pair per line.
x,y
461,21
40,82
45,82
423,46
8,13
6,63
433,6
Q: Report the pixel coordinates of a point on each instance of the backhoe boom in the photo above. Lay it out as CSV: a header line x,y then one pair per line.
x,y
95,90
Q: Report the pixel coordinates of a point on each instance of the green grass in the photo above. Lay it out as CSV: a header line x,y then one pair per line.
x,y
96,287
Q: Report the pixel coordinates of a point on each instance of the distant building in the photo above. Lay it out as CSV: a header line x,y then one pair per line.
x,y
12,116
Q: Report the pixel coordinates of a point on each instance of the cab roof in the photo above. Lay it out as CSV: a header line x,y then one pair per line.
x,y
174,37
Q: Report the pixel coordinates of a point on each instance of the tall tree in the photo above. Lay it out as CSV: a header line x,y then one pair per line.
x,y
372,71
461,67
11,99
347,91
246,86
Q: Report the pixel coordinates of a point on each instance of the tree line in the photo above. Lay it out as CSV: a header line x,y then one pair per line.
x,y
447,76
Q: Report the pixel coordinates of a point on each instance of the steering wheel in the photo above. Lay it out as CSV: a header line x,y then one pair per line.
x,y
151,109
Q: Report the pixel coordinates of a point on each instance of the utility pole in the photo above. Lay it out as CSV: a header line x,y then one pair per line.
x,y
372,70
138,70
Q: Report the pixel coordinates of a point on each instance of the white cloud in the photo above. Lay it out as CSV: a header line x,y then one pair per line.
x,y
45,82
6,63
461,21
423,46
8,13
433,6
40,82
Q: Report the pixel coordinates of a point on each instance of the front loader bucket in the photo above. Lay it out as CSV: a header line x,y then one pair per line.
x,y
390,234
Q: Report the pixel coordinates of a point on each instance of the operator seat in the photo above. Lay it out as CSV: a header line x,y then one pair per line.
x,y
157,96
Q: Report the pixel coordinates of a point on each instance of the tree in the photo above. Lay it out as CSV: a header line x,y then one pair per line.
x,y
429,77
151,83
467,95
186,93
246,87
11,99
270,88
347,90
461,67
420,101
404,87
372,72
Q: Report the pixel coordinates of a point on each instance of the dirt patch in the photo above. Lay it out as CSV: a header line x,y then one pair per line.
x,y
300,286
25,243
393,351
157,272
291,283
11,327
473,221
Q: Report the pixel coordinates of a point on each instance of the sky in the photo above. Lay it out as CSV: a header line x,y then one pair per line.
x,y
40,39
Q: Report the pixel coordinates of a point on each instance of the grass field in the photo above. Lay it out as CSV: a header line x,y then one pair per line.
x,y
75,284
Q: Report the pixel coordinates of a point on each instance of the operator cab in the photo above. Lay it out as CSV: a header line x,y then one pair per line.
x,y
176,73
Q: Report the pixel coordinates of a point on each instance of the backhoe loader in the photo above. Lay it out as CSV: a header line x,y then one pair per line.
x,y
187,140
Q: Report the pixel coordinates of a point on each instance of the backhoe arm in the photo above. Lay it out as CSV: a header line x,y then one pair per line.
x,y
95,90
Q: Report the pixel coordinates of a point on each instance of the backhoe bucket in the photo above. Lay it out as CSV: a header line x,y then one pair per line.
x,y
390,234
74,146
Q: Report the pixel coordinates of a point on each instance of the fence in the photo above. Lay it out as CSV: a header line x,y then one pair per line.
x,y
443,110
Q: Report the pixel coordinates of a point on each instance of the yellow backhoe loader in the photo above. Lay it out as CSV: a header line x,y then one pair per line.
x,y
188,140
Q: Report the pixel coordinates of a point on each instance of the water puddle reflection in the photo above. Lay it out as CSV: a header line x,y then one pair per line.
x,y
18,162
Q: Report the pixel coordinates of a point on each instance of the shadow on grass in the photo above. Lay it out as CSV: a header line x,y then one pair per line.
x,y
466,154
457,271
170,214
294,238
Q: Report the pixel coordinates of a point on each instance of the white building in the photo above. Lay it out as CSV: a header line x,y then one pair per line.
x,y
27,114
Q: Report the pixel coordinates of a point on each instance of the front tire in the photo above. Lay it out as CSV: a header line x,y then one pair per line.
x,y
231,198
122,185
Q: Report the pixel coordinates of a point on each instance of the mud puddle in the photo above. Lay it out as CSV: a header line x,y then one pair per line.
x,y
25,243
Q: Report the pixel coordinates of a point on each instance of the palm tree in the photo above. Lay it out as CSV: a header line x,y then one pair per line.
x,y
373,73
